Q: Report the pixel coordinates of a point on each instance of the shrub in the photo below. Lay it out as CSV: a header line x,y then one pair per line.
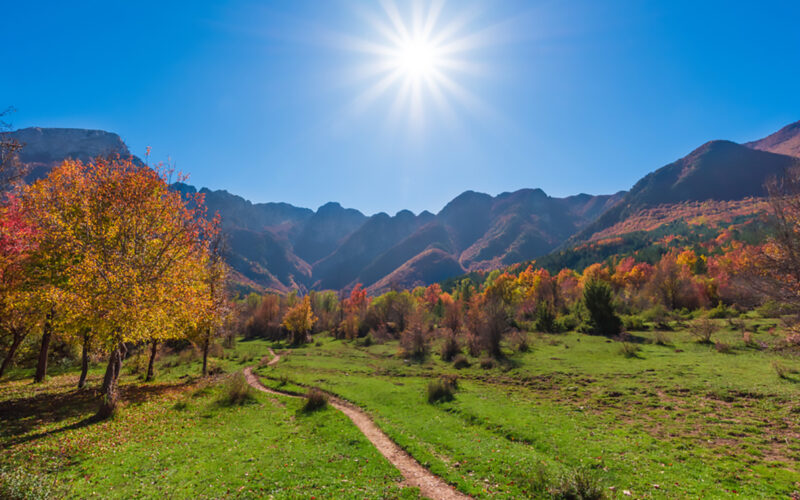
x,y
414,341
450,347
367,340
519,340
597,296
188,355
567,322
702,329
474,345
721,311
658,316
578,484
460,361
634,323
442,389
661,338
722,347
629,350
487,363
315,400
137,364
545,318
772,309
236,391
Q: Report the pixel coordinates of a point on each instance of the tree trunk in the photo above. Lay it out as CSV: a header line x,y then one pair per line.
x,y
19,335
84,361
110,382
150,374
205,352
47,333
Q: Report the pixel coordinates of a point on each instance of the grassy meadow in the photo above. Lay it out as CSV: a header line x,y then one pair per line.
x,y
658,416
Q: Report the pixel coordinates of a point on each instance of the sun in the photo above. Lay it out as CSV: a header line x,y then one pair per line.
x,y
418,60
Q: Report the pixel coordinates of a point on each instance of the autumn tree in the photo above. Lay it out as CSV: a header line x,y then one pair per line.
x,y
215,304
299,321
134,253
16,304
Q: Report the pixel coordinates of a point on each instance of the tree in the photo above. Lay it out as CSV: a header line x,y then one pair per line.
x,y
132,254
216,303
299,320
11,170
16,305
599,301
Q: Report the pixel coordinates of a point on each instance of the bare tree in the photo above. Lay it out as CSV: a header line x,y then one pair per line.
x,y
11,170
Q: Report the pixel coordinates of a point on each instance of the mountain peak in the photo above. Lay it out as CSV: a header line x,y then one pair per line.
x,y
785,141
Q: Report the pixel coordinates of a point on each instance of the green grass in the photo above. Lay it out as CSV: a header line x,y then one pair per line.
x,y
173,439
673,421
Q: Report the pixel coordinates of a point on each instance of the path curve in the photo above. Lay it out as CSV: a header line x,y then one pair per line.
x,y
415,474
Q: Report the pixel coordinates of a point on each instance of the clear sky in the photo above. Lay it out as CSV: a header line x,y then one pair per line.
x,y
372,105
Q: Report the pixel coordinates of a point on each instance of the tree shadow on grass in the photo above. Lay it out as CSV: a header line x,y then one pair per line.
x,y
20,417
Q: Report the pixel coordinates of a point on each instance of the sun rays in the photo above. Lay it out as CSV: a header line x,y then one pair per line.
x,y
417,62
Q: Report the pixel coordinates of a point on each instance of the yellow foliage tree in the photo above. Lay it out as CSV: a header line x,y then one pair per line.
x,y
132,254
299,320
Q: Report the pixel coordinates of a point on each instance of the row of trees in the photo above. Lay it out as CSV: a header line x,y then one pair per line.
x,y
480,313
105,254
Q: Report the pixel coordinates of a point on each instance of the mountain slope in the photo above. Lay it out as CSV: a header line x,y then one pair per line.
x,y
785,141
716,171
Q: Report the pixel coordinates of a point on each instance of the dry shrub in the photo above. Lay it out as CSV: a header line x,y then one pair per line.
x,y
442,389
578,484
702,329
414,341
460,361
236,391
188,355
629,350
519,341
487,363
450,347
315,400
474,344
216,351
722,347
661,338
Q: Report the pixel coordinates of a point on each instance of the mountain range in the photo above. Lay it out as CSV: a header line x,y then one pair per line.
x,y
279,246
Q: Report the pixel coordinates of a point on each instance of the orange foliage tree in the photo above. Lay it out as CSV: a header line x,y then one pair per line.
x,y
131,258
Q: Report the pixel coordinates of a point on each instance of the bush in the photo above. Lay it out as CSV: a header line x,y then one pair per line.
x,y
19,484
519,341
137,365
487,363
545,319
629,350
414,341
315,400
442,389
702,329
661,338
450,347
567,322
367,340
772,309
460,361
658,316
598,298
578,484
634,323
721,311
236,391
474,345
723,347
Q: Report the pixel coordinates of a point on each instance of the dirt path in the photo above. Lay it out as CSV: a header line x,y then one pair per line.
x,y
415,474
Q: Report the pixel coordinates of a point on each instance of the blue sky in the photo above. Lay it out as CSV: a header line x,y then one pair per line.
x,y
268,99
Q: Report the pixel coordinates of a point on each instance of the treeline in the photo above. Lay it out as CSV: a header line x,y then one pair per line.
x,y
106,257
721,275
